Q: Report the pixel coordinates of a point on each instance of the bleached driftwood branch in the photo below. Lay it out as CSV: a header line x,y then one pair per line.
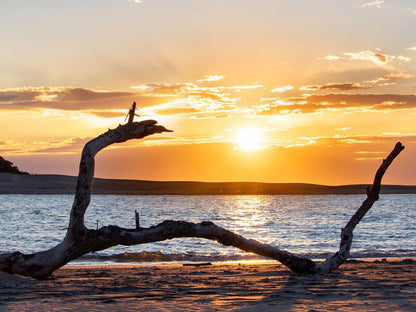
x,y
347,232
80,240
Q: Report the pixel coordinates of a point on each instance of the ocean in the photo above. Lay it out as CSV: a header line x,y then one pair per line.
x,y
308,225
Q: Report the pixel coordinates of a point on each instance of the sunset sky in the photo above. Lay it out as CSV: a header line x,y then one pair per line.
x,y
267,90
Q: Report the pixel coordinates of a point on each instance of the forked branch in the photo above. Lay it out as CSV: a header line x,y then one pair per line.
x,y
80,240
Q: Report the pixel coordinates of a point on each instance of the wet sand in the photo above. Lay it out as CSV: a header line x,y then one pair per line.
x,y
355,286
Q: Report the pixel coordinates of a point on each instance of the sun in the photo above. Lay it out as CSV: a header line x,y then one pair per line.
x,y
249,139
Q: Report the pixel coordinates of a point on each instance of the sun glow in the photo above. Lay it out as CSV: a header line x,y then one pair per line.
x,y
249,139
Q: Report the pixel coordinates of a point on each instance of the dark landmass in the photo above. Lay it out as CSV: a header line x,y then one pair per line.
x,y
60,184
7,166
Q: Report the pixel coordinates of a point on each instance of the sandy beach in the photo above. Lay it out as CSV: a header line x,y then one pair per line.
x,y
355,286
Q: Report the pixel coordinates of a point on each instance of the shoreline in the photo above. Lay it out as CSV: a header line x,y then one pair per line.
x,y
356,285
78,265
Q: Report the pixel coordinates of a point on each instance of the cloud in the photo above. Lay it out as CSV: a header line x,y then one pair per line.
x,y
70,99
209,78
376,3
399,76
211,116
283,89
337,101
194,100
367,146
154,98
413,48
136,1
377,58
68,146
195,103
188,88
336,86
343,129
384,80
180,140
160,89
107,113
331,57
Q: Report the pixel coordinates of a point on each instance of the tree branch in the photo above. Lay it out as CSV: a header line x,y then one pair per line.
x,y
347,232
122,133
79,240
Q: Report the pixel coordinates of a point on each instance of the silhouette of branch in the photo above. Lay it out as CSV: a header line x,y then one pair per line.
x,y
80,240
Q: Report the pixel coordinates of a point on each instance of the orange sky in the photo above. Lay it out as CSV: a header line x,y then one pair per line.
x,y
326,89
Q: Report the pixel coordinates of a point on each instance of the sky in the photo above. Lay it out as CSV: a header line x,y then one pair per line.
x,y
267,90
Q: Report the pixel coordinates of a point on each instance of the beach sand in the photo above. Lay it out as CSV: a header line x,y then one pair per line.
x,y
355,286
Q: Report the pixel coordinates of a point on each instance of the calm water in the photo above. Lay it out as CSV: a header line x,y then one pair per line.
x,y
309,225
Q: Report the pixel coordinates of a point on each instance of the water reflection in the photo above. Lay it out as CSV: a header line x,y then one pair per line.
x,y
301,224
249,212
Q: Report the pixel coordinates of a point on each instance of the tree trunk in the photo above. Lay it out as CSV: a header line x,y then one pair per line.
x,y
80,240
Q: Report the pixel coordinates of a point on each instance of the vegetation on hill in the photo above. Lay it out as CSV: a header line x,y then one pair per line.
x,y
7,166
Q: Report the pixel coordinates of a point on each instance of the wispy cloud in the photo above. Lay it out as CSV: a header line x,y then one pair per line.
x,y
335,86
181,140
136,1
337,101
68,146
72,99
386,79
160,89
399,76
378,58
283,89
331,57
210,78
151,99
377,4
360,139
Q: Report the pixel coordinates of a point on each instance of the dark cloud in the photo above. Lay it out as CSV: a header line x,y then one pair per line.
x,y
7,96
156,98
381,57
72,99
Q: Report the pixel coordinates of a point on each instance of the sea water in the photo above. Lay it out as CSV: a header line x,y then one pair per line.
x,y
308,225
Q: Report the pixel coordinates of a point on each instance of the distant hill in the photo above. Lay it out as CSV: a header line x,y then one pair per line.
x,y
7,166
59,184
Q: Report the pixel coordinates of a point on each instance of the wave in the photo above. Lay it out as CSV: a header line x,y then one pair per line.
x,y
159,256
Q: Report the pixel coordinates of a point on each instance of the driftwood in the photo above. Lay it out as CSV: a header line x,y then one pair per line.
x,y
80,240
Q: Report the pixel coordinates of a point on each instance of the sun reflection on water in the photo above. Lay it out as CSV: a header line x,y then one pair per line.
x,y
251,214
